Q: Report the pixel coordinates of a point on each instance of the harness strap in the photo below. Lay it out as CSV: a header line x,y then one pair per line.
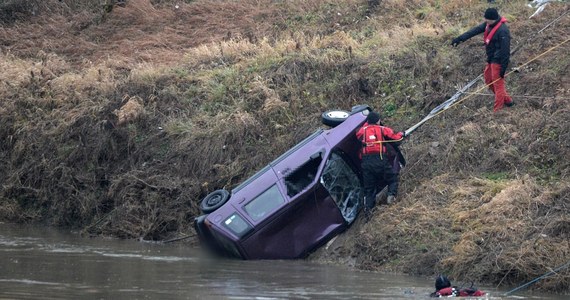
x,y
370,144
487,36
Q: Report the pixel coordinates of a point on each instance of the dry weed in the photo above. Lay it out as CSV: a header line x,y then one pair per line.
x,y
130,111
214,90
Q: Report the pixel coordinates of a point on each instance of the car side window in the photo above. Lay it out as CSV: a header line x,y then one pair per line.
x,y
302,177
265,203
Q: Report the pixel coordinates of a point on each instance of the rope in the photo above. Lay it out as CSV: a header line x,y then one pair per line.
x,y
454,99
521,96
469,95
540,31
384,141
487,85
538,278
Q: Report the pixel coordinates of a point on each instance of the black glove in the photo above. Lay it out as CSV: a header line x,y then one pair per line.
x,y
456,41
502,74
403,134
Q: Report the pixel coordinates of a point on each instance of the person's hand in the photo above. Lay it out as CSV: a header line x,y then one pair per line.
x,y
456,41
403,134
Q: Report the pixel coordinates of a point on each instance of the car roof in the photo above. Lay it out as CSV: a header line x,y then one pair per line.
x,y
332,136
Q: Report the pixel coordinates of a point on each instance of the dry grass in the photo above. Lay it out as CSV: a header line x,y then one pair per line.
x,y
242,50
515,236
135,33
119,122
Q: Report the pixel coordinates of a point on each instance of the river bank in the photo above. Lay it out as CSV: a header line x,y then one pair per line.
x,y
116,121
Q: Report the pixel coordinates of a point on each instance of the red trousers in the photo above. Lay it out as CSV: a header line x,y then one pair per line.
x,y
493,72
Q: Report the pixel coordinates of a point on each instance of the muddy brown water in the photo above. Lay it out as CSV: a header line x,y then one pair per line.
x,y
44,263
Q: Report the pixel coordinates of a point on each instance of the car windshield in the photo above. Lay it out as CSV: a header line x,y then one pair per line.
x,y
343,185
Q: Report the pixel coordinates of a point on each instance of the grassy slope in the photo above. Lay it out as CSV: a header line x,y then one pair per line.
x,y
119,123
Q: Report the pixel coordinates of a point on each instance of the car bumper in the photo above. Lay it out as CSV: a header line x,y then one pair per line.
x,y
214,242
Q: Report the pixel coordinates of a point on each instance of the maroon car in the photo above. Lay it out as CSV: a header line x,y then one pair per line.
x,y
297,202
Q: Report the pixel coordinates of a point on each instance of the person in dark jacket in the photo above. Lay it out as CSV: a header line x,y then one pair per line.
x,y
376,165
497,39
443,288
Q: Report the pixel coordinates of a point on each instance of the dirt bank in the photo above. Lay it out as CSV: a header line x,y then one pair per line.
x,y
118,120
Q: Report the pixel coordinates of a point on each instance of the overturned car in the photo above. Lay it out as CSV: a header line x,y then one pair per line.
x,y
294,204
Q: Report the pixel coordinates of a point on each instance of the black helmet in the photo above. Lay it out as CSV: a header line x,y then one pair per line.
x,y
442,282
373,117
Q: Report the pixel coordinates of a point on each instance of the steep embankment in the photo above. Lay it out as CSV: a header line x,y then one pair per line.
x,y
118,120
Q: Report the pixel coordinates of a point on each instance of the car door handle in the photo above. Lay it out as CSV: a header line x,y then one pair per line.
x,y
316,155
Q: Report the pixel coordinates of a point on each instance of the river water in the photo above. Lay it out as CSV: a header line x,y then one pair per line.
x,y
44,263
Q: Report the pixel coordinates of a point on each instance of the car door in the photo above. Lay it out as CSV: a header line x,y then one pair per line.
x,y
310,215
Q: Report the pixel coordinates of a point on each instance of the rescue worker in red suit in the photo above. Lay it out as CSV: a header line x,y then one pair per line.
x,y
376,167
497,40
443,288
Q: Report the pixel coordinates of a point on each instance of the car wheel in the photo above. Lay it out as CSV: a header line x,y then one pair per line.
x,y
214,200
333,118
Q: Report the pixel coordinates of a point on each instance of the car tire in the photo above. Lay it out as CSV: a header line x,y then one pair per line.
x,y
214,200
333,118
